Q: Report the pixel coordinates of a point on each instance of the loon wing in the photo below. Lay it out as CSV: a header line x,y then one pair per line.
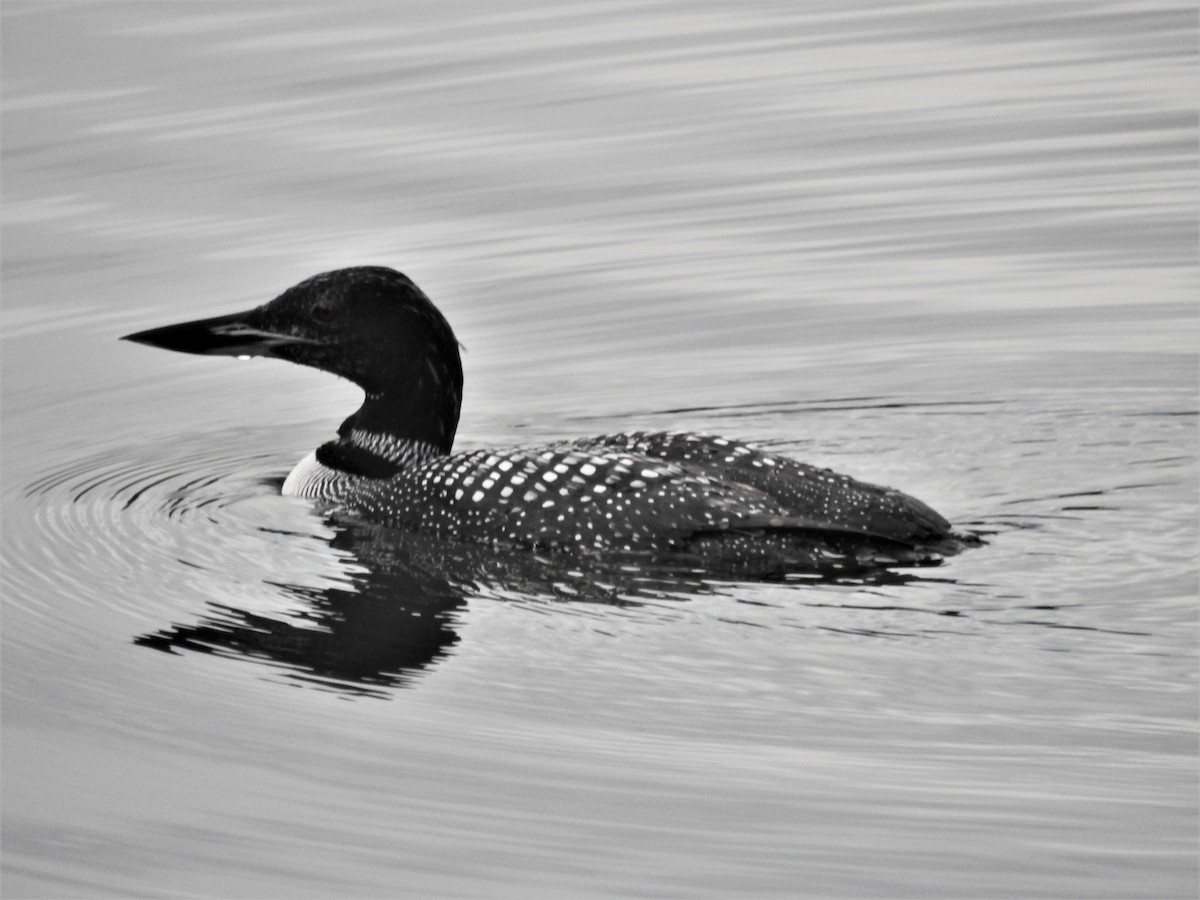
x,y
813,498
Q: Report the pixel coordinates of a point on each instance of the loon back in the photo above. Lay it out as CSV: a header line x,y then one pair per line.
x,y
667,495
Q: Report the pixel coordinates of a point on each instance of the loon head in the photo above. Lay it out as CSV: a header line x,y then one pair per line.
x,y
368,324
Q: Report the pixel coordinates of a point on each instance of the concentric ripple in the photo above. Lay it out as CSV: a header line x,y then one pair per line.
x,y
129,520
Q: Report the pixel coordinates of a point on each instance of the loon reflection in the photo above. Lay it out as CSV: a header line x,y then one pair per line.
x,y
394,618
400,613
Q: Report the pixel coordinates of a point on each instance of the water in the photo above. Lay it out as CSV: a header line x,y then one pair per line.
x,y
946,247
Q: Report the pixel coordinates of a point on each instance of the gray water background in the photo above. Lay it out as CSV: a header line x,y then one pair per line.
x,y
948,246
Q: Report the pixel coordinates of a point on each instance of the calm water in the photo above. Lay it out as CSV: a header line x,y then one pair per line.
x,y
949,247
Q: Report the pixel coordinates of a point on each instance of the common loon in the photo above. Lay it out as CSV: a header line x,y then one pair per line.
x,y
660,495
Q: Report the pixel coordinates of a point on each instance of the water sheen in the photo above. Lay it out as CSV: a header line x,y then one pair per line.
x,y
947,247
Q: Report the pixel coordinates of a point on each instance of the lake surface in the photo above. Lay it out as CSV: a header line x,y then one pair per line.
x,y
949,247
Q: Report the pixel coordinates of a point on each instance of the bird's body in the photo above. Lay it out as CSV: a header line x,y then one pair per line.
x,y
662,495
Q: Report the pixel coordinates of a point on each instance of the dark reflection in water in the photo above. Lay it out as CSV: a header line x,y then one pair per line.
x,y
398,616
395,619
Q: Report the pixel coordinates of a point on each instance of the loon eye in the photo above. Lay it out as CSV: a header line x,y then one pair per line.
x,y
323,313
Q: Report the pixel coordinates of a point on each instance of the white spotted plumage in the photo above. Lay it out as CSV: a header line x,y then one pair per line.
x,y
626,492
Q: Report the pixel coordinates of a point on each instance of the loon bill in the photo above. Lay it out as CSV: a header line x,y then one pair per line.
x,y
664,495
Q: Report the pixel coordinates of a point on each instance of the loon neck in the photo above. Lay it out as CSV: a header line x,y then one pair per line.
x,y
391,432
410,416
